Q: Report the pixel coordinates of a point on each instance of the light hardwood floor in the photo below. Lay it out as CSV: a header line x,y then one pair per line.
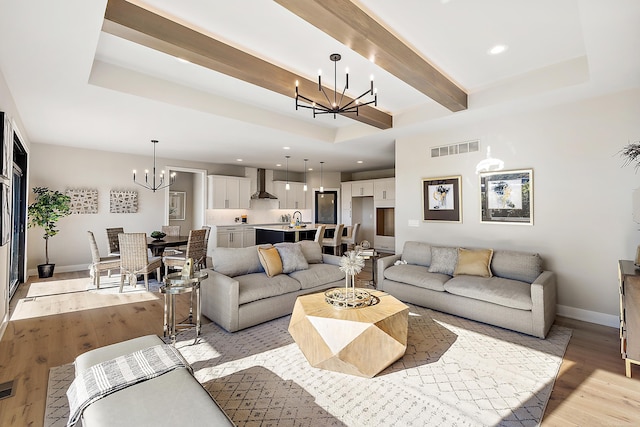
x,y
62,321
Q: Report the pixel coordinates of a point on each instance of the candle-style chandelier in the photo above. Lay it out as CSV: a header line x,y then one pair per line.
x,y
153,185
335,106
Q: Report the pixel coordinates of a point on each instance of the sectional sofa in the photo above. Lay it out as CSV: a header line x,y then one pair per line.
x,y
252,285
509,289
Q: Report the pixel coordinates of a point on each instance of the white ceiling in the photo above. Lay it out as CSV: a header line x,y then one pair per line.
x,y
74,85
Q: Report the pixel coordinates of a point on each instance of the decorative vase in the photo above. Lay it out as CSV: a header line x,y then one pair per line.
x,y
45,270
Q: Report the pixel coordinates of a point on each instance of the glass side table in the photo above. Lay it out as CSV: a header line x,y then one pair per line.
x,y
176,284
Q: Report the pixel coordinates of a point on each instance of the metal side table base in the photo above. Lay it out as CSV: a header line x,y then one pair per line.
x,y
176,284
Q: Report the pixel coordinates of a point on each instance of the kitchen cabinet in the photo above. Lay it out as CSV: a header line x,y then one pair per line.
x,y
294,198
384,191
230,237
228,192
629,281
362,189
249,237
345,203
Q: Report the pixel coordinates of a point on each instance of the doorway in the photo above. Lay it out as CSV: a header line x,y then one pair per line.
x,y
194,187
326,204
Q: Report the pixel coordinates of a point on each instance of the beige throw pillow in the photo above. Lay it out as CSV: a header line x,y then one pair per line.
x,y
474,262
270,260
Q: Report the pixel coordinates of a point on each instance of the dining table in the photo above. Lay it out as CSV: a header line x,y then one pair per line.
x,y
158,246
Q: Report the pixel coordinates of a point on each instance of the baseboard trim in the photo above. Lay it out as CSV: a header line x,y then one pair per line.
x,y
588,316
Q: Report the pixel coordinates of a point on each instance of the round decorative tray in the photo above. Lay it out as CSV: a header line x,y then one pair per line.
x,y
348,298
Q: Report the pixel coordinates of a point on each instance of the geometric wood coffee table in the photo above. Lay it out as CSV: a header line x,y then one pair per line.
x,y
357,341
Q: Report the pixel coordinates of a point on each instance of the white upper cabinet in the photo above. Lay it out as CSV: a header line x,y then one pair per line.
x,y
384,189
294,198
228,192
362,188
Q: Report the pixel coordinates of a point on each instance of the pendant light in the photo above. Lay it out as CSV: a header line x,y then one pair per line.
x,y
154,185
287,186
321,180
304,188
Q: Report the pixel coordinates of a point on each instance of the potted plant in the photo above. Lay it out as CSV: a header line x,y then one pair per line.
x,y
48,207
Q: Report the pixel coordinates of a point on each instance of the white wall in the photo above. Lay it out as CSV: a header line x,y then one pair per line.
x,y
62,168
582,195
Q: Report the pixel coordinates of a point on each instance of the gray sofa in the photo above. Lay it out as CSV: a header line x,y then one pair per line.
x,y
238,292
518,294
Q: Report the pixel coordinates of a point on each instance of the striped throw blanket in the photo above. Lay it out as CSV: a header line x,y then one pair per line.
x,y
116,374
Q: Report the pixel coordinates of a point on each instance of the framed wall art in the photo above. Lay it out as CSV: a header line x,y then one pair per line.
x,y
83,201
123,201
506,197
177,205
441,199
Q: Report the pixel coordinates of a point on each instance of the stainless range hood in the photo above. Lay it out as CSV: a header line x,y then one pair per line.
x,y
262,192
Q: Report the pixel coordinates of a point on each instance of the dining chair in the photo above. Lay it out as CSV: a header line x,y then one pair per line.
x,y
171,230
134,259
196,249
205,259
335,242
100,264
112,238
351,240
319,233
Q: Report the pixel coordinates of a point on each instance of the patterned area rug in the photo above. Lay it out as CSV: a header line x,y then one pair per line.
x,y
455,372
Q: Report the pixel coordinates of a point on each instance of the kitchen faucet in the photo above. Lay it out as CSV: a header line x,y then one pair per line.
x,y
299,219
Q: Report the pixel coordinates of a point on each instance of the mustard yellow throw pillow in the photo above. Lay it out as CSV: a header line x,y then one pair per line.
x,y
270,260
474,262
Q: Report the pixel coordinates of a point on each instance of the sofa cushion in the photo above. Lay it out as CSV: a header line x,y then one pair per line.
x,y
417,253
443,260
416,275
237,261
474,262
317,275
292,257
311,250
516,265
496,290
253,287
270,260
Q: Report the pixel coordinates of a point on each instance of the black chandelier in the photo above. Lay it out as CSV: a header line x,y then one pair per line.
x,y
153,186
335,107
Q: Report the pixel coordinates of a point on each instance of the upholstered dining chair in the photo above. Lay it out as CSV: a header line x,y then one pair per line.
x,y
171,230
196,249
335,242
205,259
319,233
112,238
134,259
351,240
100,264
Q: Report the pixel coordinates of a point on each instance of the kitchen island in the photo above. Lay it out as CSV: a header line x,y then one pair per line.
x,y
284,233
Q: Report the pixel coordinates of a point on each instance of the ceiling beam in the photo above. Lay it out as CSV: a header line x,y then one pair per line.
x,y
350,25
141,26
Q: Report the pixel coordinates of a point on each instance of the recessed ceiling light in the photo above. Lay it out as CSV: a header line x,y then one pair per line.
x,y
278,165
497,49
310,169
238,160
359,162
286,148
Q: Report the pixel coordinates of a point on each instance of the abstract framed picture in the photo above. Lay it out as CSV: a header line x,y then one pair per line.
x,y
506,197
441,199
177,205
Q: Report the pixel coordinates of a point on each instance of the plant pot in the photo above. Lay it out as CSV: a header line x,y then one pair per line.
x,y
45,270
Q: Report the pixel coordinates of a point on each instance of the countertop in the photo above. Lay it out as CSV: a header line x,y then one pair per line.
x,y
287,228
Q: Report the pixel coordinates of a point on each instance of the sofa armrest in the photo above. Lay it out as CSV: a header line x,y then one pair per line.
x,y
382,264
219,298
544,300
331,259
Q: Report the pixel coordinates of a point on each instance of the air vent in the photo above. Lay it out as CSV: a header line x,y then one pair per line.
x,y
457,148
6,390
